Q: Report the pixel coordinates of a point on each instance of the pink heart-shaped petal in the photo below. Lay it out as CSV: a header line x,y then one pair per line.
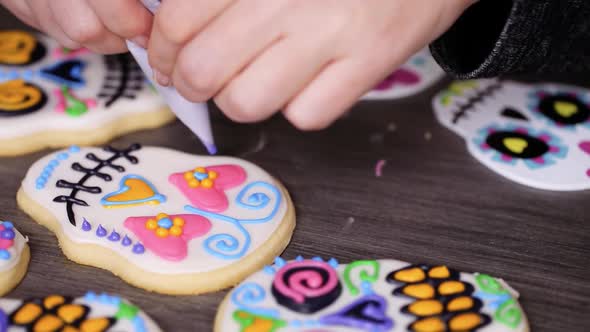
x,y
585,146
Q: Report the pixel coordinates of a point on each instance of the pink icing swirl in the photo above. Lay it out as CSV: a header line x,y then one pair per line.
x,y
301,280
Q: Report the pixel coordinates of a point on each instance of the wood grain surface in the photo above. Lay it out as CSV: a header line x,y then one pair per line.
x,y
433,204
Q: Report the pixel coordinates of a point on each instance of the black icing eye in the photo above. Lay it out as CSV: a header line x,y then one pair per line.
x,y
564,109
517,145
511,113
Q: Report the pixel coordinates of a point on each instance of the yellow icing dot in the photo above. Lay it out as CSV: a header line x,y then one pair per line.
x,y
200,170
52,301
207,183
432,324
70,312
162,232
161,216
419,291
460,303
439,272
212,175
188,176
151,224
465,322
48,323
95,325
27,314
178,221
451,287
176,230
426,308
193,183
414,274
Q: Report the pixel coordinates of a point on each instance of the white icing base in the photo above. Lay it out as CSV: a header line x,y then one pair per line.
x,y
156,165
401,321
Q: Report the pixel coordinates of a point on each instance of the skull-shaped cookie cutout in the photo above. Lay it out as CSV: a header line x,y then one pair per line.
x,y
369,295
92,312
51,96
14,257
162,220
418,74
537,135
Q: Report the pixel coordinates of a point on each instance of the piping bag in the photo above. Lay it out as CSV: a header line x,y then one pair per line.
x,y
194,115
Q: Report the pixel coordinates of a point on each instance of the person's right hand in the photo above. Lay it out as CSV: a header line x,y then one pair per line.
x,y
99,25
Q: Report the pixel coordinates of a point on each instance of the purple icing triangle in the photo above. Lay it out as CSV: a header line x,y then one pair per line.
x,y
367,313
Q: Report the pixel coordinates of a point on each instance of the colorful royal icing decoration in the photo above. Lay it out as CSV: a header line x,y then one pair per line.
x,y
155,218
205,187
14,257
417,75
369,296
91,313
51,97
527,133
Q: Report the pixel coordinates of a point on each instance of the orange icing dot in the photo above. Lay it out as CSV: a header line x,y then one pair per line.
x,y
70,312
465,322
27,314
426,308
161,216
176,230
48,323
419,291
212,175
200,170
52,301
178,221
451,287
193,183
460,303
188,176
414,274
94,325
207,183
439,272
151,224
432,324
162,232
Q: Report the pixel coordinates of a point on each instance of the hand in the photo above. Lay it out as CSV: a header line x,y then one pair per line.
x,y
311,58
100,25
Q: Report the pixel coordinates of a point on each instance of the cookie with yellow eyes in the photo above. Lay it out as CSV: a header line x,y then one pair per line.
x,y
56,97
160,219
383,295
14,257
91,312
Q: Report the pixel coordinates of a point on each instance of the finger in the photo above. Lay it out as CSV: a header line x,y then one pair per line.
x,y
78,20
337,88
128,19
274,79
205,64
44,17
21,10
176,22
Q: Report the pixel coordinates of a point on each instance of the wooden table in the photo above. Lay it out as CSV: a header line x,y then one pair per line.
x,y
433,204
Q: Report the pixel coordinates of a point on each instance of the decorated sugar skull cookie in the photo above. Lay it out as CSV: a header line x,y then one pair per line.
x,y
537,135
163,220
312,295
51,96
14,257
417,75
90,313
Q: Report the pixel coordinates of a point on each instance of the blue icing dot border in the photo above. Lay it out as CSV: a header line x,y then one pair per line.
x,y
47,171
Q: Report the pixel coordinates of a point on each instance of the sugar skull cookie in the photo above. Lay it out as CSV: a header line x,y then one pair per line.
x,y
55,97
14,257
90,313
370,296
534,134
162,220
415,76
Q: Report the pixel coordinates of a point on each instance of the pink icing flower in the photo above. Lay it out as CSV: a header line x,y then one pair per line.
x,y
401,76
205,186
168,236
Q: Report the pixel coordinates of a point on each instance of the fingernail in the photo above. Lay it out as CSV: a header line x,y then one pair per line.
x,y
140,41
162,79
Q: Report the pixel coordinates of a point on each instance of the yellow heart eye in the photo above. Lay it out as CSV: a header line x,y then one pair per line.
x,y
18,96
16,47
515,144
565,109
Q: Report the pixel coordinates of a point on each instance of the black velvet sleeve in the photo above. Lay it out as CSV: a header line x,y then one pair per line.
x,y
496,37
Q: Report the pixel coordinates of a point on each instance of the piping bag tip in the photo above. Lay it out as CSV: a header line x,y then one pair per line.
x,y
211,148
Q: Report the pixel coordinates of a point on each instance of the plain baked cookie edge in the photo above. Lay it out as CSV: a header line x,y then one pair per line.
x,y
11,278
171,284
85,137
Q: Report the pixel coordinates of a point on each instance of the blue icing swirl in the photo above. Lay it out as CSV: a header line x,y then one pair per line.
x,y
250,294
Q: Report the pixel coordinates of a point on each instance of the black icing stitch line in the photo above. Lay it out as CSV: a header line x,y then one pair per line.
x,y
71,199
479,97
123,80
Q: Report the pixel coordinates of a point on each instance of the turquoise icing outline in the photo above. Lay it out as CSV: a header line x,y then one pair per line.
x,y
124,188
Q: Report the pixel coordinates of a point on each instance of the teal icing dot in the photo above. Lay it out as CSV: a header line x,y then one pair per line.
x,y
63,156
165,223
54,163
4,254
74,149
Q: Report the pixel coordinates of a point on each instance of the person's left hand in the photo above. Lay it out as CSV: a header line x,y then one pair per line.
x,y
312,59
